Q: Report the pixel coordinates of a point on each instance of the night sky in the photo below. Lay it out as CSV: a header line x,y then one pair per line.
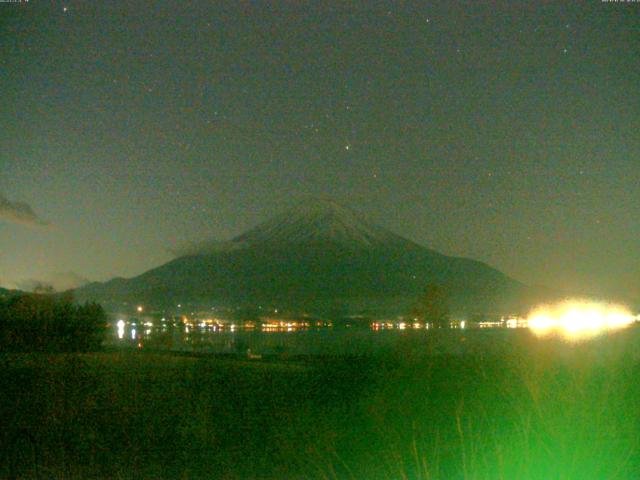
x,y
508,132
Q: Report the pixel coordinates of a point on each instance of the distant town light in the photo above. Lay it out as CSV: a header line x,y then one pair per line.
x,y
512,323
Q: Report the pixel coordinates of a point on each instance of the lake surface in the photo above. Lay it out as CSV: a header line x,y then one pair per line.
x,y
354,340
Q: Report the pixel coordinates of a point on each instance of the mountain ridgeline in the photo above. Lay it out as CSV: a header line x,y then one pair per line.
x,y
319,257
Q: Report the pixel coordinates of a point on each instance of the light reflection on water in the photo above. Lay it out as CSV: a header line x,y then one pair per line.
x,y
121,326
257,340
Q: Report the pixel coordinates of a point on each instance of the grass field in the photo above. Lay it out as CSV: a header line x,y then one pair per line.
x,y
543,410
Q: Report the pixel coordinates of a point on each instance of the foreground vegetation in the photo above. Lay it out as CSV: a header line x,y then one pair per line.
x,y
48,323
543,410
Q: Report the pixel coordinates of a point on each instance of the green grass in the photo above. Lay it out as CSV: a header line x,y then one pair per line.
x,y
541,410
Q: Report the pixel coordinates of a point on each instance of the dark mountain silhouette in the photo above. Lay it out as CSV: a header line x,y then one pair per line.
x,y
318,257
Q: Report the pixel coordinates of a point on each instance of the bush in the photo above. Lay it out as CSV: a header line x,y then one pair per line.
x,y
44,323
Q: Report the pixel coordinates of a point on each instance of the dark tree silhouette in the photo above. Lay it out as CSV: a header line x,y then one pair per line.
x,y
433,305
53,324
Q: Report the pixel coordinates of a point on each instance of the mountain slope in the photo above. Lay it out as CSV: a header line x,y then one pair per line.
x,y
314,257
321,221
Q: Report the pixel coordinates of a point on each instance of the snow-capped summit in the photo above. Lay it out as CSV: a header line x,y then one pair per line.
x,y
318,221
315,256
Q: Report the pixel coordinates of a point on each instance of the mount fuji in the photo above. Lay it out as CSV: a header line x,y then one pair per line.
x,y
317,257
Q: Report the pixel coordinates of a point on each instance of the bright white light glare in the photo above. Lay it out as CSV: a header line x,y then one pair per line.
x,y
579,318
120,325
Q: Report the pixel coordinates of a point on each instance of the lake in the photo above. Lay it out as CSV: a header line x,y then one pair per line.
x,y
341,340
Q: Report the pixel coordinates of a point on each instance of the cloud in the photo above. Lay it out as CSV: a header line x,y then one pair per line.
x,y
19,212
56,282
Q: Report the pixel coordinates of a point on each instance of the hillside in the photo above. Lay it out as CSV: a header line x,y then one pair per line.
x,y
318,257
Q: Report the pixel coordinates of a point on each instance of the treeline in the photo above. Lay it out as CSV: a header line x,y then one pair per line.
x,y
46,323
